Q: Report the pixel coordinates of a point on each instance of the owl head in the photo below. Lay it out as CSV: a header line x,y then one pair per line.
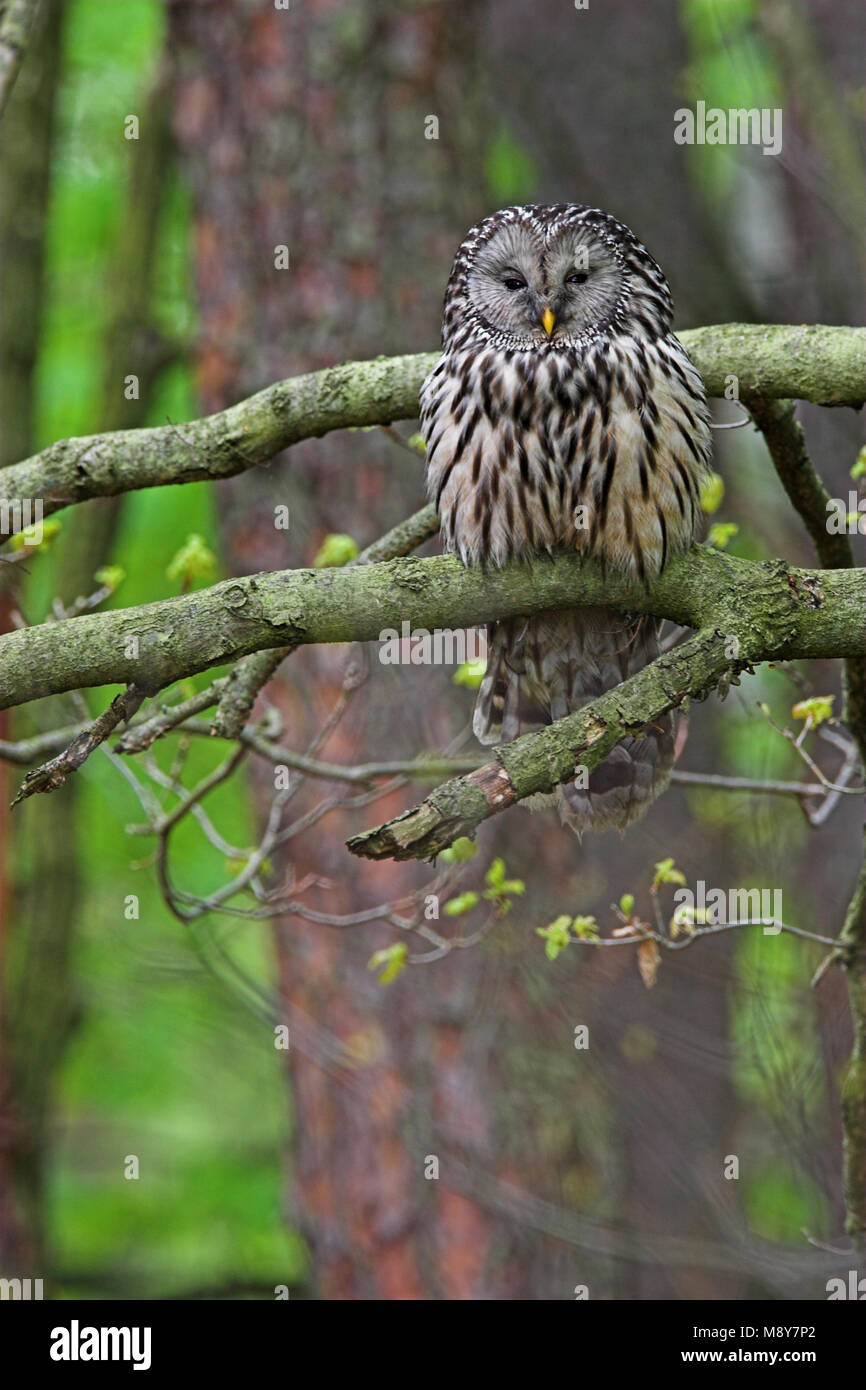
x,y
550,278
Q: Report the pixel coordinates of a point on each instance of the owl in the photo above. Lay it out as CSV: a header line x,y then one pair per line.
x,y
564,414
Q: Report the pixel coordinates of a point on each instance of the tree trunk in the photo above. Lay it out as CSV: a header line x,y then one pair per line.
x,y
332,104
25,172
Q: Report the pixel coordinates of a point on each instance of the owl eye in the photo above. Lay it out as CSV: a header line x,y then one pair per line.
x,y
511,282
579,279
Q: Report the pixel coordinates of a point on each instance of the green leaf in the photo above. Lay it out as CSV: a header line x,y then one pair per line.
x,y
859,468
417,441
509,887
194,560
585,928
556,936
464,902
391,961
26,540
666,872
712,493
110,577
460,851
509,170
721,532
498,886
470,674
335,550
818,708
626,904
495,874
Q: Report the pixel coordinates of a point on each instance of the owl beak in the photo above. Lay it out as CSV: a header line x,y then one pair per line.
x,y
548,320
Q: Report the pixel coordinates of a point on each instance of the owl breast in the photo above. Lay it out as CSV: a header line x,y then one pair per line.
x,y
603,450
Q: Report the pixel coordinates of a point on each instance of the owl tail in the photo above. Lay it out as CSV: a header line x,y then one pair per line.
x,y
540,669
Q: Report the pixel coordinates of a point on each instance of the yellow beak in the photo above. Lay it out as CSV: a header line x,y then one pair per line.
x,y
548,320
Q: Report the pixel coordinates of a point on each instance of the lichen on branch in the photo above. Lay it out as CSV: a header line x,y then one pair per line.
x,y
773,611
813,362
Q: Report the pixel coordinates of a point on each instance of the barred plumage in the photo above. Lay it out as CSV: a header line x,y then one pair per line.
x,y
565,413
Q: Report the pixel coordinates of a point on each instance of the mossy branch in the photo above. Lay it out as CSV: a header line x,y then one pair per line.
x,y
773,611
537,762
822,364
767,608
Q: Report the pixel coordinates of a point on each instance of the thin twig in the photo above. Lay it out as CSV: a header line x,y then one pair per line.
x,y
746,784
54,773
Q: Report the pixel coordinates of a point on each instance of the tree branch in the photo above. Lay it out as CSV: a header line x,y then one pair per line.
x,y
812,362
774,611
806,492
761,615
220,446
538,762
52,775
253,673
787,444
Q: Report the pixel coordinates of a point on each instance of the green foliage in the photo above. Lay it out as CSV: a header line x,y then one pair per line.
x,y
336,550
470,674
556,936
729,66
780,1205
564,929
88,194
390,962
585,928
749,746
666,872
509,170
462,903
26,539
459,851
501,889
712,493
818,708
773,1033
193,561
110,577
722,533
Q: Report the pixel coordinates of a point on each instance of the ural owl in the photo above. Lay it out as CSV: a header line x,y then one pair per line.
x,y
564,413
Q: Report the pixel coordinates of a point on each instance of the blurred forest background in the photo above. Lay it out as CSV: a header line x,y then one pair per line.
x,y
155,256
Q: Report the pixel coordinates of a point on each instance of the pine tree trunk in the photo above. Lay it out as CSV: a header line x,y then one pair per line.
x,y
307,129
25,1068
